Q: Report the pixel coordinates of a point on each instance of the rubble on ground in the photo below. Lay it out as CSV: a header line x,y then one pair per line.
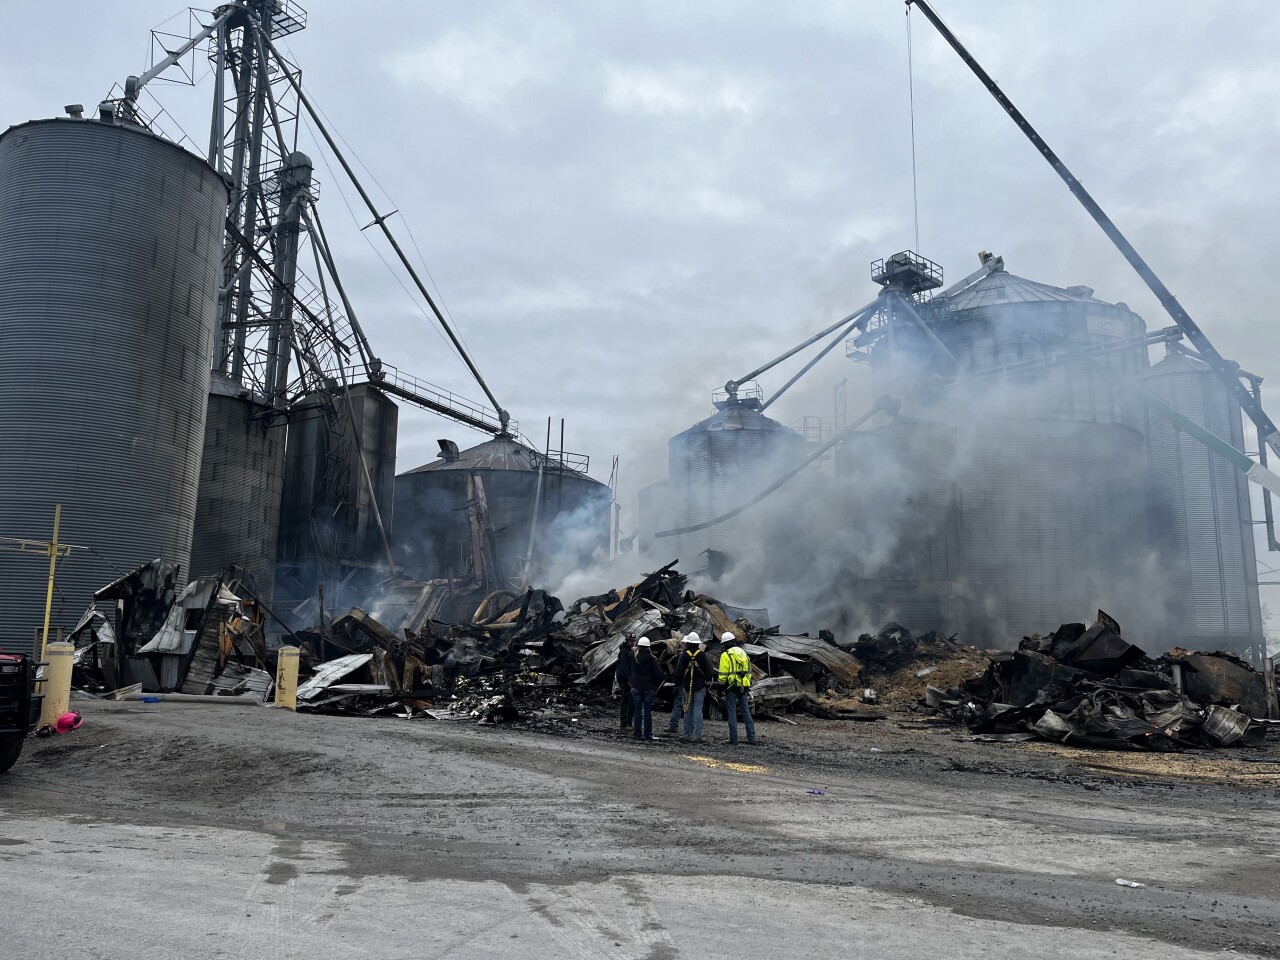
x,y
1087,686
445,650
208,639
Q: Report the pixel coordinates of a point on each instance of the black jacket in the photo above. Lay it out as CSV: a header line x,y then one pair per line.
x,y
646,674
698,666
626,661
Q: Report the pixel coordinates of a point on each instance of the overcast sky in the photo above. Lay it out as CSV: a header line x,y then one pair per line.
x,y
626,204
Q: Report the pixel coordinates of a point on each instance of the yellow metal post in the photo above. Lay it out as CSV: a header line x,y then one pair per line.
x,y
57,682
287,678
53,567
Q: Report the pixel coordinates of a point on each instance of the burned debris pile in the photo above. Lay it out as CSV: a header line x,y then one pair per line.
x,y
897,666
527,657
1089,687
207,639
445,649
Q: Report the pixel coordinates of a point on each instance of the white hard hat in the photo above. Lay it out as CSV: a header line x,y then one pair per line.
x,y
728,637
693,638
644,642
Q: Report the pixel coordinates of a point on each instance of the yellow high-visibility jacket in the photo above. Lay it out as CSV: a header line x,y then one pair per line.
x,y
735,668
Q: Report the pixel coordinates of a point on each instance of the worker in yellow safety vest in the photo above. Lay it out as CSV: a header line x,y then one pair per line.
x,y
735,674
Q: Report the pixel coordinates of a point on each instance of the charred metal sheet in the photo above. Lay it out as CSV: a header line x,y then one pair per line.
x,y
1273,689
775,691
1225,726
1100,650
845,666
603,656
891,648
1224,679
755,650
141,600
757,617
330,673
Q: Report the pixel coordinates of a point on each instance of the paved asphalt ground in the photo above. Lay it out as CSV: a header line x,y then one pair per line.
x,y
192,831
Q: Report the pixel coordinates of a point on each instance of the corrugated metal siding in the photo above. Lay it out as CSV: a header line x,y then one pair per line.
x,y
1203,511
432,532
717,464
1051,519
110,240
1051,491
308,494
905,472
241,477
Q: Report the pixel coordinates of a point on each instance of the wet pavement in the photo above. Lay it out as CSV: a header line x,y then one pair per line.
x,y
202,830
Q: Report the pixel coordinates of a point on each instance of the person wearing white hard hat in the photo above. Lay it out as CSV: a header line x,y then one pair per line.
x,y
735,674
646,677
692,673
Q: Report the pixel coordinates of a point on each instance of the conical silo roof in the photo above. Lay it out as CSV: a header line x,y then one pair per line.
x,y
1001,287
503,452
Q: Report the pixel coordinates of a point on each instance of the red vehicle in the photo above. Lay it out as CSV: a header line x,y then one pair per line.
x,y
19,705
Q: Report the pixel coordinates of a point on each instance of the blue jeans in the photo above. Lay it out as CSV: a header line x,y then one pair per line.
x,y
733,698
642,719
692,714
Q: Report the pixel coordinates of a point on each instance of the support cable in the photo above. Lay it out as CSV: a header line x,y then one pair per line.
x,y
391,271
503,416
321,243
355,428
911,101
408,227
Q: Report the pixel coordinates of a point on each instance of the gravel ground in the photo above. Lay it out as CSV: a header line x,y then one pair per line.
x,y
209,830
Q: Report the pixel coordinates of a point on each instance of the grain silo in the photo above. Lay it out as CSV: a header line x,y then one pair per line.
x,y
1202,514
1054,524
1009,332
110,243
1049,470
238,509
567,512
898,497
328,520
718,464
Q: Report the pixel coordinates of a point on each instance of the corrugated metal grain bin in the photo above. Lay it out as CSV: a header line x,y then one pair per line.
x,y
1052,493
1054,525
110,249
433,535
1202,511
721,462
327,520
241,475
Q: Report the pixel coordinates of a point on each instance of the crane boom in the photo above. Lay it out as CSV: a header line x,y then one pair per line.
x,y
1225,369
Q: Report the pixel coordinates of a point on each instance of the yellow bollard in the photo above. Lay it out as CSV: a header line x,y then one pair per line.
x,y
287,678
57,681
